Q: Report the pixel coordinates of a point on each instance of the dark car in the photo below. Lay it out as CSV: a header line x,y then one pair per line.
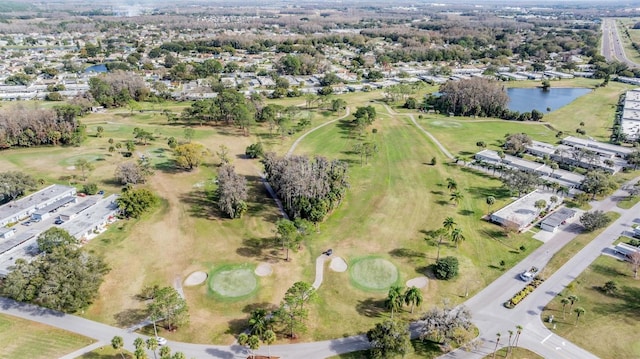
x,y
58,221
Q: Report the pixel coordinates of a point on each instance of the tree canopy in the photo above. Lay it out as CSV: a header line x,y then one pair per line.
x,y
475,96
231,192
309,188
14,184
54,237
66,279
169,308
134,202
388,339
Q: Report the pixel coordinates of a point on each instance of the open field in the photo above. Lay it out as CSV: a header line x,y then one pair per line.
x,y
606,328
395,201
186,233
23,339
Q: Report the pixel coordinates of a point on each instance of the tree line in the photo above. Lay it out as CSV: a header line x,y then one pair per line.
x,y
309,188
22,127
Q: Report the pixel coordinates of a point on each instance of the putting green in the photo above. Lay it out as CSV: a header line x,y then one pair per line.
x,y
373,273
233,281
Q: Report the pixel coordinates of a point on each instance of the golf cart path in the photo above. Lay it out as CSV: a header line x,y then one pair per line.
x,y
297,141
319,270
437,143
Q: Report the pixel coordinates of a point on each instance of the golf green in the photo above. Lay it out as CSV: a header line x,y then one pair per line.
x,y
233,282
373,273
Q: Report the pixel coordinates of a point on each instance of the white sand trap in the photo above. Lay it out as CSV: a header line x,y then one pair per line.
x,y
71,168
263,270
195,278
338,264
419,282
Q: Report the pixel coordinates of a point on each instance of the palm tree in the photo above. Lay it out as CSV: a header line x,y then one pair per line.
x,y
509,346
564,302
413,296
452,185
456,197
152,344
491,200
540,205
138,343
440,233
394,299
259,321
579,311
117,343
449,224
269,338
518,332
498,335
572,299
165,352
553,200
457,236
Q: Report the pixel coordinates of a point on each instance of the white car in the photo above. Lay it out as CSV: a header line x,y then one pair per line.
x,y
161,341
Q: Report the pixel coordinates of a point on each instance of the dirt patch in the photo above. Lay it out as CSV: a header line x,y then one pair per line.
x,y
419,282
263,270
338,265
195,278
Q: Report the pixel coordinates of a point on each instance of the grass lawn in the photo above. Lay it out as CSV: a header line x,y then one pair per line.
x,y
570,249
516,353
628,202
379,218
24,339
460,135
606,328
622,24
419,349
106,352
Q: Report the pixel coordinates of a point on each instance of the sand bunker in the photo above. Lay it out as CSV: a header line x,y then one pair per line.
x,y
263,270
195,278
338,264
419,282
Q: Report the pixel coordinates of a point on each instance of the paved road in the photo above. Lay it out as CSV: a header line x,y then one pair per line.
x,y
491,317
612,46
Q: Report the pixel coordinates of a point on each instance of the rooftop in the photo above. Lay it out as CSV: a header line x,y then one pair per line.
x,y
12,208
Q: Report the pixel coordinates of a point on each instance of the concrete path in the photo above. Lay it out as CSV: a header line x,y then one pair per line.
x,y
299,139
87,349
319,270
433,139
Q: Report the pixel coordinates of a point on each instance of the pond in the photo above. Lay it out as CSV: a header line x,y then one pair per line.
x,y
527,99
96,68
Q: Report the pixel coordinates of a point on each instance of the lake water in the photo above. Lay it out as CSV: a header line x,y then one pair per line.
x,y
96,68
527,99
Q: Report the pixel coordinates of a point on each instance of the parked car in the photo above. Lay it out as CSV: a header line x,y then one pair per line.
x,y
529,274
161,341
58,221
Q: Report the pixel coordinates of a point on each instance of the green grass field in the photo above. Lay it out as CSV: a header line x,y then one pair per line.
x,y
106,352
610,322
394,202
23,339
627,23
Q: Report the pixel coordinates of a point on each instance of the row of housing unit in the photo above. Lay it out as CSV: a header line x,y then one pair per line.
x,y
83,217
573,151
631,115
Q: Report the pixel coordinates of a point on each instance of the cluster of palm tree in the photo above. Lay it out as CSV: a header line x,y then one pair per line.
x,y
396,298
150,344
511,342
260,329
456,195
449,230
